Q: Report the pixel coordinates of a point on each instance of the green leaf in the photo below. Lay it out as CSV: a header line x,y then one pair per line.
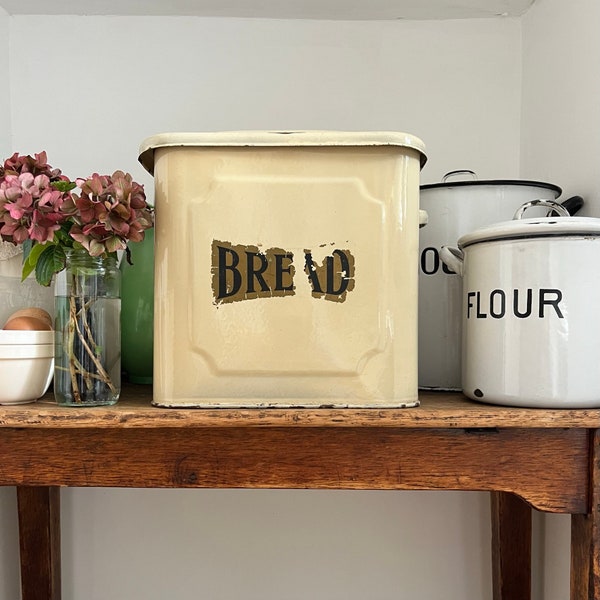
x,y
31,259
51,260
27,270
36,251
27,246
62,236
63,186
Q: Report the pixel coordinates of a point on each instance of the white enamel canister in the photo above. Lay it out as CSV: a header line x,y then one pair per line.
x,y
530,311
459,204
286,268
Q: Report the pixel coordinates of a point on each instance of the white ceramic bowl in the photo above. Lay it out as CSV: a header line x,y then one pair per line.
x,y
25,337
26,371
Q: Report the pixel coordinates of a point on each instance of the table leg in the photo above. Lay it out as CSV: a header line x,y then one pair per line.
x,y
585,537
511,547
39,534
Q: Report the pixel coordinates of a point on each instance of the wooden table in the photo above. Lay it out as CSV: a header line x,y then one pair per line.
x,y
546,459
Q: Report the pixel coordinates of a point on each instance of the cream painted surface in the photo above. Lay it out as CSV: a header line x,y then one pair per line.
x,y
225,347
561,138
455,84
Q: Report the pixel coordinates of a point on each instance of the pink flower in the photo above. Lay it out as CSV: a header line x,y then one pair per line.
x,y
29,207
44,225
37,205
111,209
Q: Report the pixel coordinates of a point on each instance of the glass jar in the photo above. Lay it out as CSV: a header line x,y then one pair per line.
x,y
88,331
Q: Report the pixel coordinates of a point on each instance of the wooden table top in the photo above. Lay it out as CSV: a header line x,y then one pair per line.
x,y
437,410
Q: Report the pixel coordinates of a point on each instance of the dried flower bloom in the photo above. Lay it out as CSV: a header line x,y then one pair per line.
x,y
39,208
37,165
30,208
109,211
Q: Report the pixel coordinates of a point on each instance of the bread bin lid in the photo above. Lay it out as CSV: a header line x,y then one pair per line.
x,y
277,139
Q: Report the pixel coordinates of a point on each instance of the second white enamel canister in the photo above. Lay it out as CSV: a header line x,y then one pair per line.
x,y
530,321
285,268
460,203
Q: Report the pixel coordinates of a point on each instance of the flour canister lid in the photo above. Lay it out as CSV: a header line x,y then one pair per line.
x,y
562,225
277,139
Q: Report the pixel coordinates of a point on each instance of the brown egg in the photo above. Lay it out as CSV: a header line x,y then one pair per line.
x,y
36,313
27,323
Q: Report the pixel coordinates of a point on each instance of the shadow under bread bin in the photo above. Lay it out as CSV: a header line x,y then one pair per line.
x,y
531,292
285,268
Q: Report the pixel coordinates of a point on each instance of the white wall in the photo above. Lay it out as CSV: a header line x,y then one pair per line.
x,y
274,544
9,582
561,143
5,128
9,545
117,80
561,97
89,95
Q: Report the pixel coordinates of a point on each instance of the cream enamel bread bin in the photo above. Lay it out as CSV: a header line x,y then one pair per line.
x,y
531,291
286,268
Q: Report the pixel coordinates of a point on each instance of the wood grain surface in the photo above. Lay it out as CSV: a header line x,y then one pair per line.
x,y
585,537
548,459
39,538
511,547
547,467
437,410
